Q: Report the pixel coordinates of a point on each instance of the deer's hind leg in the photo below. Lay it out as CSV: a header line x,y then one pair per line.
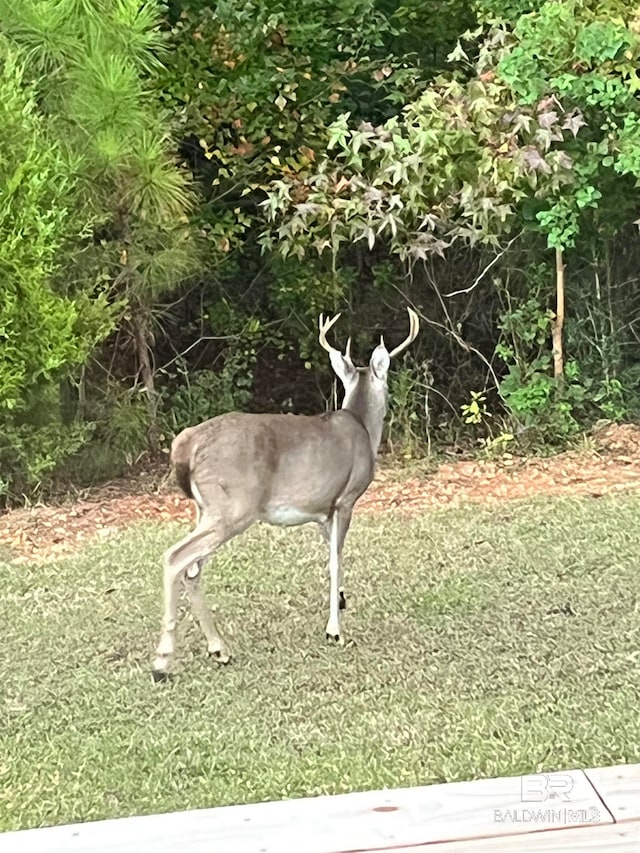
x,y
193,584
216,646
338,526
325,530
183,562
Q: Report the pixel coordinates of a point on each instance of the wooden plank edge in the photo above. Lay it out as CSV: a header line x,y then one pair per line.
x,y
618,787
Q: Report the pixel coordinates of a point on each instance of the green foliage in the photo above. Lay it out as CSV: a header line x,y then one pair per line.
x,y
35,440
203,394
464,159
304,297
531,395
588,65
44,330
119,422
505,11
536,135
31,456
123,423
535,403
407,422
612,399
99,56
255,86
47,328
475,411
428,30
93,210
455,166
207,178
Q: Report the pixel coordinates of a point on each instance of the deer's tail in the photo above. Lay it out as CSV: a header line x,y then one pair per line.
x,y
182,474
181,462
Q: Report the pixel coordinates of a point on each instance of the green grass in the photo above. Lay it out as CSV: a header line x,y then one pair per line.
x,y
486,641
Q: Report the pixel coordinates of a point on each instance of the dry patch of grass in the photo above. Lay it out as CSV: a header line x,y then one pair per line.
x,y
486,641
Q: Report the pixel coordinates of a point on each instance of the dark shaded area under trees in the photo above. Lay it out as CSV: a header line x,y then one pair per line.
x,y
187,186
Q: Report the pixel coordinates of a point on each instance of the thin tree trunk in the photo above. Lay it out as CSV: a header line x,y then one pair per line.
x,y
82,394
612,362
558,322
142,338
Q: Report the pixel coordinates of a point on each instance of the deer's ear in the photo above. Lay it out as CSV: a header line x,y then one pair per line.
x,y
343,367
380,362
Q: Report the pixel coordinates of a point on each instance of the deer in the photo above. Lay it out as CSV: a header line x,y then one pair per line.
x,y
282,469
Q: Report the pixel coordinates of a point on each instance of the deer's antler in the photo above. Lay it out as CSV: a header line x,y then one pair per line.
x,y
414,328
324,325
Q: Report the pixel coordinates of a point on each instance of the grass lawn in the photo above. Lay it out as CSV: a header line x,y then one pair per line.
x,y
486,641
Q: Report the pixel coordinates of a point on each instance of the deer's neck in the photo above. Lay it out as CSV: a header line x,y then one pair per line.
x,y
370,409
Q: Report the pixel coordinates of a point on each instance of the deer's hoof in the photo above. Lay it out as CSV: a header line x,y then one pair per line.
x,y
342,601
161,676
336,639
220,657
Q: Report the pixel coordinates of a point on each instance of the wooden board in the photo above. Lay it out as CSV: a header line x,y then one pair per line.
x,y
349,822
619,788
594,839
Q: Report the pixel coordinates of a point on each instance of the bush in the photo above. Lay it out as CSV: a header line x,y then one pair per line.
x,y
206,393
34,441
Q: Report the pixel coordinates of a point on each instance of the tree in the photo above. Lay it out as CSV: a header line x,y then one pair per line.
x,y
91,64
537,134
255,86
47,328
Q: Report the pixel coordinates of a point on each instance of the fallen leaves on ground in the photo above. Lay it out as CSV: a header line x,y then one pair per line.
x,y
42,532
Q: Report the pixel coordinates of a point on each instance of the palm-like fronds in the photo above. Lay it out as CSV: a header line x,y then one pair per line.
x,y
168,259
105,93
110,149
140,37
39,28
159,191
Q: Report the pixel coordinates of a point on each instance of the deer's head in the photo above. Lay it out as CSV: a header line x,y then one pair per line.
x,y
365,388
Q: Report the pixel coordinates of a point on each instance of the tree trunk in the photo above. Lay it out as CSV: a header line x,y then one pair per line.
x,y
140,322
558,322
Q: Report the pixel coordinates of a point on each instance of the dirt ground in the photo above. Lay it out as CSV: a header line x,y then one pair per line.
x,y
610,462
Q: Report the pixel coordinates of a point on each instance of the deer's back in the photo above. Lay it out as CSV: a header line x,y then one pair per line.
x,y
289,464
